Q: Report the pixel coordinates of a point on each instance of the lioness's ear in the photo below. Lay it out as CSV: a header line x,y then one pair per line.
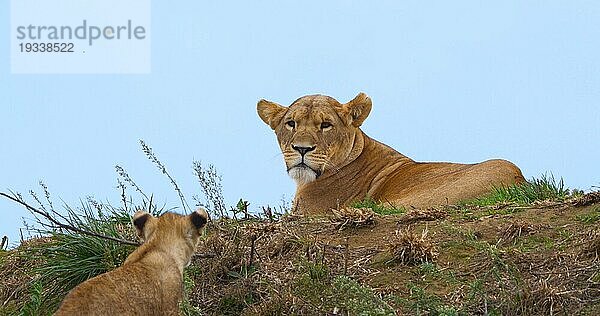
x,y
140,221
199,218
270,112
358,109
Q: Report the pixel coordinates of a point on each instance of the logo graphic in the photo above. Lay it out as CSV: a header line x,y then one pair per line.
x,y
80,37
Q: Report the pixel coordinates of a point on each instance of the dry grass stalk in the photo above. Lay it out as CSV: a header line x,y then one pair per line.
x,y
591,244
352,217
412,248
510,232
15,274
543,297
422,215
4,243
559,283
587,199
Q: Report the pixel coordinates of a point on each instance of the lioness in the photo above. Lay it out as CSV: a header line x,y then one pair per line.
x,y
150,280
334,163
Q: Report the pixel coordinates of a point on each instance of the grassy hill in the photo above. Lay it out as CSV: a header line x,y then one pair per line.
x,y
489,256
503,259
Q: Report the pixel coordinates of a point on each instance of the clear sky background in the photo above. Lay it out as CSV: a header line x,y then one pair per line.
x,y
459,81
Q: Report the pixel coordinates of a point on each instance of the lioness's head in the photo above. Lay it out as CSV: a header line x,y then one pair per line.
x,y
316,133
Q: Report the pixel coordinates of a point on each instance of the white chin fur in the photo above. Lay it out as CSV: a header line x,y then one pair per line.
x,y
302,175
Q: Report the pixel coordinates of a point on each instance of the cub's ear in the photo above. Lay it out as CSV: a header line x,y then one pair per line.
x,y
270,112
199,218
141,220
357,109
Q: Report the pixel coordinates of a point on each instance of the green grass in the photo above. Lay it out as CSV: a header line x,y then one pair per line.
x,y
590,218
378,208
35,305
422,302
357,299
235,304
465,233
535,243
431,273
326,292
429,268
185,307
70,258
537,189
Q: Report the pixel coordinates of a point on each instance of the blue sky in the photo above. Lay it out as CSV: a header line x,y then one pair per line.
x,y
460,81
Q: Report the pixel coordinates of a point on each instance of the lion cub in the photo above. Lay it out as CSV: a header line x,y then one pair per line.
x,y
150,280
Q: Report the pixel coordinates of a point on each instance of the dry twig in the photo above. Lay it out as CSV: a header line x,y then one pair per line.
x,y
69,227
352,217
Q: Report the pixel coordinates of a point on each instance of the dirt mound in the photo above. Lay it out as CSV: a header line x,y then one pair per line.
x,y
505,259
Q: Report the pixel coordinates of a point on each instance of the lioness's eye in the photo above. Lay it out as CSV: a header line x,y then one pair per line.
x,y
291,124
325,125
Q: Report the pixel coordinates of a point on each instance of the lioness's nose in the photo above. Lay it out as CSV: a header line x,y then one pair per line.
x,y
303,150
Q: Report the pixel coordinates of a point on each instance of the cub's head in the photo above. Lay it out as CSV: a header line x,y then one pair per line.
x,y
316,133
179,233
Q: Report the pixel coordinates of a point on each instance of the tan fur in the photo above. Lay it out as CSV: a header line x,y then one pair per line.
x,y
150,280
346,165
